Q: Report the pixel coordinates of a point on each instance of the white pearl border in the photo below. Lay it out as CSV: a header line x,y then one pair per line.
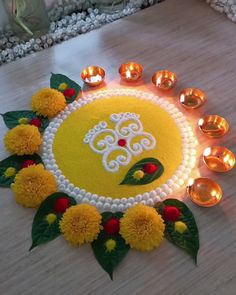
x,y
189,143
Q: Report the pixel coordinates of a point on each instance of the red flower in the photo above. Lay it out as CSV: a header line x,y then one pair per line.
x,y
149,168
69,92
112,226
171,213
27,163
36,122
61,205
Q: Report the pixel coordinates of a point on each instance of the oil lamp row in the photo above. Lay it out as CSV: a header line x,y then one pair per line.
x,y
164,80
202,191
212,126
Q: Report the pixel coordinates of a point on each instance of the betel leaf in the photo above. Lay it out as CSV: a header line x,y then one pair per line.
x,y
109,260
16,162
57,79
147,178
42,231
189,239
11,119
107,215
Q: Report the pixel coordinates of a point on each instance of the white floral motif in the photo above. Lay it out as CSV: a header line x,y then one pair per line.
x,y
104,140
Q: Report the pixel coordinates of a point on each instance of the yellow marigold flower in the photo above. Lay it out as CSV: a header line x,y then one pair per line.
x,y
33,185
139,174
9,172
110,245
142,227
62,86
51,218
81,224
180,227
23,140
48,102
23,121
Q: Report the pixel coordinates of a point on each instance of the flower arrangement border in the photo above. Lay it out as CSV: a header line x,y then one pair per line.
x,y
111,234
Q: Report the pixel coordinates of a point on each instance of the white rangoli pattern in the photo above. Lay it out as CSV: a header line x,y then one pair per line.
x,y
105,141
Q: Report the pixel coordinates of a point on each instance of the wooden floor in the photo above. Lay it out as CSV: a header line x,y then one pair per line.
x,y
199,44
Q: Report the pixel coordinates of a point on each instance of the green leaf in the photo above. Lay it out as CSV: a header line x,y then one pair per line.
x,y
109,260
188,240
15,162
57,79
42,231
107,215
11,119
148,178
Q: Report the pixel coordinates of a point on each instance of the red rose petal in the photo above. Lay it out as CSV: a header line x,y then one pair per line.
x,y
36,122
171,213
69,92
149,168
27,163
61,205
112,226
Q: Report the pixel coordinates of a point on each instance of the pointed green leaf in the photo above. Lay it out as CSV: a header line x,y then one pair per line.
x,y
16,162
11,119
42,231
57,79
109,260
148,178
189,239
107,215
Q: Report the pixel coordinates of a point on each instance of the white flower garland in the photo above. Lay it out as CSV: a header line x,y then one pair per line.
x,y
107,203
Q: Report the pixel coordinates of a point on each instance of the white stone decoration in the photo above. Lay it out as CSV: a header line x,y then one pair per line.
x,y
66,24
104,203
127,127
227,7
68,19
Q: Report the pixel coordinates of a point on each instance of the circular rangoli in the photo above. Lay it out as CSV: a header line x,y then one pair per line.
x,y
119,147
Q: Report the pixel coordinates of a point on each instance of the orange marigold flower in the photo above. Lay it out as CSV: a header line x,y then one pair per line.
x,y
81,224
48,102
142,227
23,140
33,185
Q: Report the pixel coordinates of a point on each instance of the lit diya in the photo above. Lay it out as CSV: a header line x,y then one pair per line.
x,y
93,75
192,98
131,71
213,126
164,80
218,158
204,192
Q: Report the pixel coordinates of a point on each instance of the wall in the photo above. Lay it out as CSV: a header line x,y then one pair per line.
x,y
3,16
